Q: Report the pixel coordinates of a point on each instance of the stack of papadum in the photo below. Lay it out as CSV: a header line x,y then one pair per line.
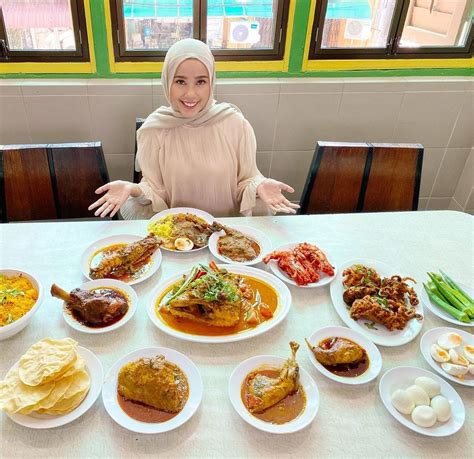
x,y
50,379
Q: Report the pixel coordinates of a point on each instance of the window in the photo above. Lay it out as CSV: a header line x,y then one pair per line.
x,y
357,29
43,30
234,29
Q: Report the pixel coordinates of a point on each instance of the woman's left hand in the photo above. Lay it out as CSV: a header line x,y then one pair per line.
x,y
270,192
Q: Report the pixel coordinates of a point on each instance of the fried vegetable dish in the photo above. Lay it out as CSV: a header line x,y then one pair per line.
x,y
235,245
17,297
389,301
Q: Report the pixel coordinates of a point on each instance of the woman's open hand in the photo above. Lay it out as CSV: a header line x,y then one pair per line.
x,y
270,192
117,193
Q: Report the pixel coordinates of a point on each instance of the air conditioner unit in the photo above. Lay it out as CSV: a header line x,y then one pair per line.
x,y
357,29
243,32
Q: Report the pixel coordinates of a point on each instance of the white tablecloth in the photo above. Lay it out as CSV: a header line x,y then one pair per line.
x,y
351,422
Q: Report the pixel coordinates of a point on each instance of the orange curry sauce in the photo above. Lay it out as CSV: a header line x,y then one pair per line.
x,y
268,295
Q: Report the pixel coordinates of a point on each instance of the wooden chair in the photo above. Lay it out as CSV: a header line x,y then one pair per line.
x,y
137,176
362,177
51,181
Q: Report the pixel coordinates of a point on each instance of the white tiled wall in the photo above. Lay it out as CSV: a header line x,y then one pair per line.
x,y
288,115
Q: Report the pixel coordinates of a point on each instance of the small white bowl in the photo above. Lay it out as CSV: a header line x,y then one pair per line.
x,y
403,377
12,329
260,237
116,284
373,353
109,391
324,280
311,390
431,337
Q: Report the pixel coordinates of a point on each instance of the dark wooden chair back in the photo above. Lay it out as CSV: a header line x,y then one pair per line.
x,y
137,176
48,182
362,177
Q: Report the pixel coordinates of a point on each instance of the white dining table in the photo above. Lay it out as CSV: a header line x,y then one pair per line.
x,y
351,421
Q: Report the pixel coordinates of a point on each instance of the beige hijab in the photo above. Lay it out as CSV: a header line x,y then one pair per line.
x,y
168,117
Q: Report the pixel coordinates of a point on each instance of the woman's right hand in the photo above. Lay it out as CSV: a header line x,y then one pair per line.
x,y
117,192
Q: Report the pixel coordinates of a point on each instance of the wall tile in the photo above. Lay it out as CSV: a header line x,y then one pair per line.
x,y
463,133
292,168
368,117
120,167
465,181
158,101
438,204
113,120
438,83
260,111
383,85
119,87
422,203
59,119
157,88
247,86
303,119
450,172
11,87
428,117
470,201
13,121
454,205
432,158
66,87
264,161
311,85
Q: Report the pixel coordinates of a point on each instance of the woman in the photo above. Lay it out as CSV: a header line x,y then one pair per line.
x,y
194,153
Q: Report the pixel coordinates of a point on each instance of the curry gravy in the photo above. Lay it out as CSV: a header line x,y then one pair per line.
x,y
268,295
285,410
144,413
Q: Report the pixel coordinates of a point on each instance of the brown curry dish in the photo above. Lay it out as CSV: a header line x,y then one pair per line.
x,y
213,302
235,245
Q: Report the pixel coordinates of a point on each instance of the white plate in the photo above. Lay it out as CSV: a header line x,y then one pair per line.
x,y
311,390
325,279
109,391
257,235
45,421
284,303
118,285
119,239
183,210
442,314
431,337
382,335
403,377
375,358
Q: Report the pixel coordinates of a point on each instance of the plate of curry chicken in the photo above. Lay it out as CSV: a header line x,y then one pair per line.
x,y
124,257
152,390
274,394
219,303
378,301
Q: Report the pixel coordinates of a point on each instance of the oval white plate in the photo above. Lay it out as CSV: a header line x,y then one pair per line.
x,y
257,235
109,391
311,390
343,332
183,210
431,337
442,314
403,377
118,285
119,239
325,279
45,421
284,303
382,335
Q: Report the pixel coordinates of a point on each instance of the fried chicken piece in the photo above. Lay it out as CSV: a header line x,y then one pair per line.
x,y
236,245
264,392
335,350
191,227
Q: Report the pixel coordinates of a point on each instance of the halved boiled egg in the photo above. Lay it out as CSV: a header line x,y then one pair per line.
x,y
438,353
450,340
469,352
183,243
456,370
457,358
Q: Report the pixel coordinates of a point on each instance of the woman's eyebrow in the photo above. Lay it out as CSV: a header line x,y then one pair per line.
x,y
202,76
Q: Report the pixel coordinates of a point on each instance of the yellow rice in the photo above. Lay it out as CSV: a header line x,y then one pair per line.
x,y
163,227
17,297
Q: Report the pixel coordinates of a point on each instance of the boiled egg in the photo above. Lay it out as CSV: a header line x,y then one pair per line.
x,y
402,401
469,352
450,340
424,416
183,243
456,370
438,353
457,358
430,386
441,407
418,395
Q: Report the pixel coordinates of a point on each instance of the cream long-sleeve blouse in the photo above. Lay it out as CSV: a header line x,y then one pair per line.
x,y
210,167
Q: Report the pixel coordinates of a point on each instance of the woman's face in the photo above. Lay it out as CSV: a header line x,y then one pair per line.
x,y
190,89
